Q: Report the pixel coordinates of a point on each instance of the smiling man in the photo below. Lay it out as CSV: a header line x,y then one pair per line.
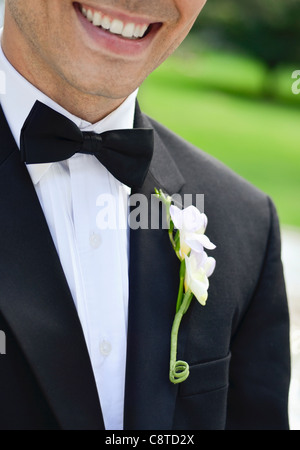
x,y
87,311
82,52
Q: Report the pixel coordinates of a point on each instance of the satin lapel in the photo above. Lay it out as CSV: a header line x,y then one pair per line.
x,y
154,269
36,301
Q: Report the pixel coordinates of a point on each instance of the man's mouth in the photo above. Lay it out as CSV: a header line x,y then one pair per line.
x,y
114,25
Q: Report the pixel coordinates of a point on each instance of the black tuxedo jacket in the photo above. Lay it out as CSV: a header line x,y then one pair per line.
x,y
237,346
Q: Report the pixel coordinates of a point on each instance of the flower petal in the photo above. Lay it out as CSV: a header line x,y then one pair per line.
x,y
210,266
184,247
196,279
198,241
199,289
176,216
193,220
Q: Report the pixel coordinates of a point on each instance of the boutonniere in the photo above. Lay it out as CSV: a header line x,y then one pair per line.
x,y
187,235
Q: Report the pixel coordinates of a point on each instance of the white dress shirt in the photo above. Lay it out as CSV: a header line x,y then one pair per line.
x,y
73,196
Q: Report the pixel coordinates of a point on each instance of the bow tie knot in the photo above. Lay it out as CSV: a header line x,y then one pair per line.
x,y
47,136
91,144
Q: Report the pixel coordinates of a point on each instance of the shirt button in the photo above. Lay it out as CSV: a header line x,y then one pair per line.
x,y
95,240
105,348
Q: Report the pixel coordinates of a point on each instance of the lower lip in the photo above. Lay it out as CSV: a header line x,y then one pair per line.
x,y
116,44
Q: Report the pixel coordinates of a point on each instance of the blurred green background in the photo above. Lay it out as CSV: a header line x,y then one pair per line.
x,y
228,90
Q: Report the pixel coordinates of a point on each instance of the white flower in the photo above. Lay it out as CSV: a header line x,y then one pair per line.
x,y
199,267
187,235
192,225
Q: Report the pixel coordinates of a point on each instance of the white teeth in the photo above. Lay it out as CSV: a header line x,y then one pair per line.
x,y
106,23
115,26
128,30
90,15
141,30
137,32
97,20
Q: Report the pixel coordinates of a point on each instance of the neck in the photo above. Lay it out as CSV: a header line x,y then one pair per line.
x,y
85,105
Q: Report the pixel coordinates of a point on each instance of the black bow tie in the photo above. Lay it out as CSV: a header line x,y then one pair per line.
x,y
48,136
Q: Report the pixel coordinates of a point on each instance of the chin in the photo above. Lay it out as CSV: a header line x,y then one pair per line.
x,y
106,91
108,88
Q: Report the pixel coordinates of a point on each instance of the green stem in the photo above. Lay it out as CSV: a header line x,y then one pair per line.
x,y
181,285
175,241
179,370
172,239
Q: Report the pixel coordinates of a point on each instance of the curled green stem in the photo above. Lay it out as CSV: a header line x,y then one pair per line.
x,y
179,370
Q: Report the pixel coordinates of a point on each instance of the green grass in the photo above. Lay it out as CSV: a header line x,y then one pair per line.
x,y
228,118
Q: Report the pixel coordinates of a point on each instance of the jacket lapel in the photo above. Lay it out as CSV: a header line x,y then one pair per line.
x,y
154,269
36,301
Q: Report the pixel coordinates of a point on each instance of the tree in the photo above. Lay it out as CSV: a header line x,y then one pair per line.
x,y
266,29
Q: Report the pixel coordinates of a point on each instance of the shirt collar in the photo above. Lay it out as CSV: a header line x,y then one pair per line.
x,y
19,97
